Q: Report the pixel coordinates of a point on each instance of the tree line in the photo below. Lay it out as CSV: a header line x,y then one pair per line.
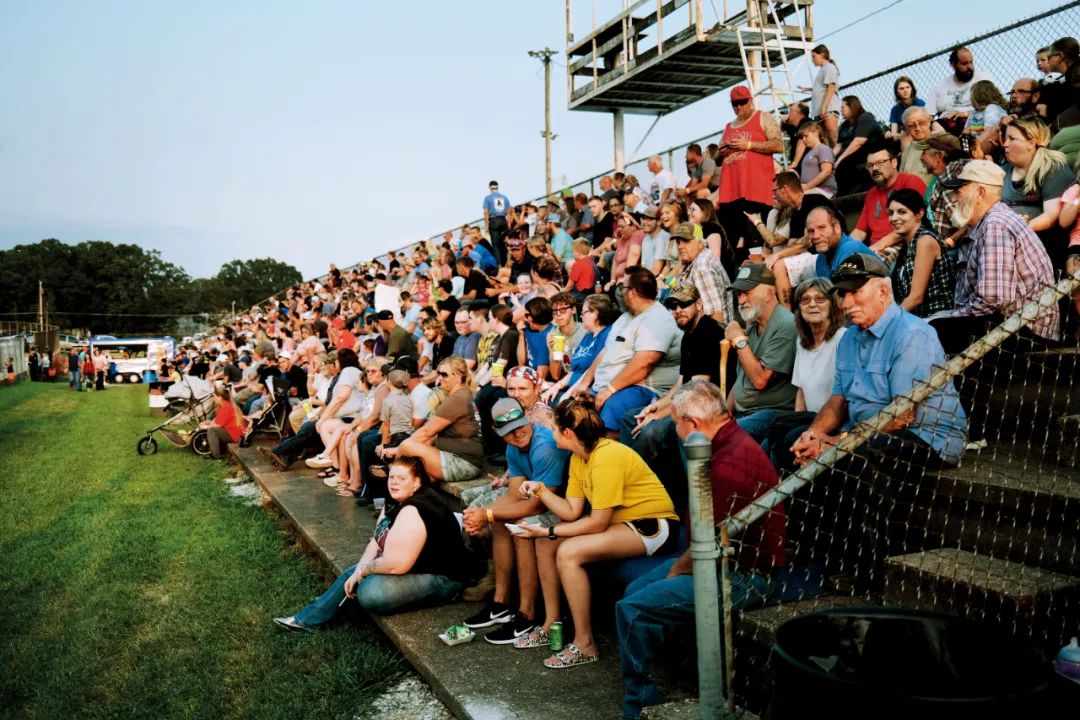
x,y
123,288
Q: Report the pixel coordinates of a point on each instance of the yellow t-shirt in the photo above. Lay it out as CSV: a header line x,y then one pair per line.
x,y
616,477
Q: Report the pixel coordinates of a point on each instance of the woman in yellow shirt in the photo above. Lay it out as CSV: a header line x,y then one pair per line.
x,y
631,515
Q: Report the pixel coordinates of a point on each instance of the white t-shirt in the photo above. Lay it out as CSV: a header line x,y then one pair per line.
x,y
814,371
949,96
663,180
349,378
653,330
419,396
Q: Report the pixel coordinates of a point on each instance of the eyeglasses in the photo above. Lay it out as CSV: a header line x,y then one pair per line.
x,y
507,418
739,103
1020,91
813,300
565,308
878,163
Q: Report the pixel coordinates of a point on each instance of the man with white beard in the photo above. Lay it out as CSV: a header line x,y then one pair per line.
x,y
1005,266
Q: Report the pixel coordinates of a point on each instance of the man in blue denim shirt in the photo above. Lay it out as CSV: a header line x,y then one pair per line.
x,y
882,357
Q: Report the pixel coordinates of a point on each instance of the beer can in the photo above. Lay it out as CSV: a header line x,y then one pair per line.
x,y
555,636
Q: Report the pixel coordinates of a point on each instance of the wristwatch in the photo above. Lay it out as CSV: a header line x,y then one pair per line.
x,y
741,343
551,533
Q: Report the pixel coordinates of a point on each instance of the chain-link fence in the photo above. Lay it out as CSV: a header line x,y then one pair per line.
x,y
877,520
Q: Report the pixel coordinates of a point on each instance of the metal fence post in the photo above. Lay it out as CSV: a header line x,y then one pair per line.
x,y
704,551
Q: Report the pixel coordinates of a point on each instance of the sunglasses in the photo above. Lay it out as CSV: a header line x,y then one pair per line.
x,y
444,374
738,103
682,305
813,300
507,418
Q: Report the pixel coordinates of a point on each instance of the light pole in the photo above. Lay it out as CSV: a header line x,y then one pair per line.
x,y
545,57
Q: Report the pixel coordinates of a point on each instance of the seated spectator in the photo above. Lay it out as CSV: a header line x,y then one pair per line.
x,y
924,274
477,284
341,411
468,342
671,215
598,313
228,423
560,240
531,455
918,126
816,169
1069,219
873,226
858,128
701,268
437,346
906,97
630,516
1035,179
532,336
950,100
640,360
399,341
547,276
824,230
702,214
583,275
765,352
988,110
882,357
563,307
943,158
306,438
662,600
416,558
1006,266
449,442
346,473
819,321
654,246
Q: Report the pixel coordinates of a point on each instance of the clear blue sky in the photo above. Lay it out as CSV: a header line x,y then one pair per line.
x,y
325,132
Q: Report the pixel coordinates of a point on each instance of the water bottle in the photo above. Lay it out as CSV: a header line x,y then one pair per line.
x,y
1068,661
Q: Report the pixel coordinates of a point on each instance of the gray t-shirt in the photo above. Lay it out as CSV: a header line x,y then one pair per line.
x,y
811,166
653,330
397,410
349,378
1031,204
775,350
826,75
707,168
654,248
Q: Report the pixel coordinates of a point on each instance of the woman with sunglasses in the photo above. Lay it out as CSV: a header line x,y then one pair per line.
x,y
631,516
449,442
819,322
416,557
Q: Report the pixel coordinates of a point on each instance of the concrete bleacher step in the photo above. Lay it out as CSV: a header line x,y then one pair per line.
x,y
476,680
1022,599
1013,502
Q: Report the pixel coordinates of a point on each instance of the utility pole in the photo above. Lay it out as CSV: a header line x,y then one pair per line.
x,y
545,57
41,306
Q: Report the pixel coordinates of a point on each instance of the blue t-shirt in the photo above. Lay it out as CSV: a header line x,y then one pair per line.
x,y
562,244
536,344
496,204
584,354
876,365
484,259
465,346
544,461
412,315
896,115
826,266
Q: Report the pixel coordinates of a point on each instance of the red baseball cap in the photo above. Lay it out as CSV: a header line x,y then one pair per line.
x,y
338,322
740,92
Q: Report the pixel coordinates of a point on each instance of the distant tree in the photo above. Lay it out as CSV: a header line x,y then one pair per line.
x,y
247,282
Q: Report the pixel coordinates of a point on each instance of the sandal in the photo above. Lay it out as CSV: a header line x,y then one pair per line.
x,y
569,657
537,637
346,491
328,472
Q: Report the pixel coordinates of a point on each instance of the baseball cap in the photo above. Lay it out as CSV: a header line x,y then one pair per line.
x,y
856,270
507,416
979,171
943,141
682,295
285,355
649,212
407,364
688,231
515,243
493,184
398,378
750,276
338,322
384,315
740,92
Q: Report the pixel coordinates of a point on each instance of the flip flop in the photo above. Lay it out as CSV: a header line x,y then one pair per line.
x,y
344,491
570,656
328,472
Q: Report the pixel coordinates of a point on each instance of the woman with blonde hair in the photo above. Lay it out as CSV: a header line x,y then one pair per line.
x,y
449,442
1035,179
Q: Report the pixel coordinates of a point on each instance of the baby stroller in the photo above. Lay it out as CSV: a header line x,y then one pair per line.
x,y
191,402
273,418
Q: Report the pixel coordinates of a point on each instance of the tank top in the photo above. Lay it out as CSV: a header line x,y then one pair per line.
x,y
444,553
746,175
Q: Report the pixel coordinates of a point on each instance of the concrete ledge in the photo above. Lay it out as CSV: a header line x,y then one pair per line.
x,y
476,681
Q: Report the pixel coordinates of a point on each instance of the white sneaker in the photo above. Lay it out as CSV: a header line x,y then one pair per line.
x,y
319,462
332,481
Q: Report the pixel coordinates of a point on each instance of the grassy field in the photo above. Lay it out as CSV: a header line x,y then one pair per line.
x,y
136,587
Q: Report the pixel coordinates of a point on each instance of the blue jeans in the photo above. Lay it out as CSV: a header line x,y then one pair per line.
x,y
374,487
654,606
73,379
757,423
293,446
382,594
659,446
628,400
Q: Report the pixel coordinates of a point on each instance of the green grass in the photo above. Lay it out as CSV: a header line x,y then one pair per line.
x,y
138,587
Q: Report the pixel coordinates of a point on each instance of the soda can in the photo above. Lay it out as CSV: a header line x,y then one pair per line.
x,y
555,636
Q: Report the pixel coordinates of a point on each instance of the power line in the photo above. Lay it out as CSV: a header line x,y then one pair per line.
x,y
864,17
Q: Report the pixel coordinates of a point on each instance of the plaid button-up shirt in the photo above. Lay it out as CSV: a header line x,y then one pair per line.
x,y
937,200
1006,266
708,275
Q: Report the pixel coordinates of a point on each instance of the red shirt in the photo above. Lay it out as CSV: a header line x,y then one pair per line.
x,y
741,473
874,219
583,275
227,418
345,340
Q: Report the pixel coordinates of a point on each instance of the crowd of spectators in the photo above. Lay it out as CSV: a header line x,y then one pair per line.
x,y
577,344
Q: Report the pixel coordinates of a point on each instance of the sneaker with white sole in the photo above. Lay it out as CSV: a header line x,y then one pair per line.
x,y
332,481
494,613
319,462
291,623
511,631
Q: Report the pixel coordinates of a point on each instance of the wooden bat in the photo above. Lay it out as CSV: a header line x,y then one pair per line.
x,y
725,348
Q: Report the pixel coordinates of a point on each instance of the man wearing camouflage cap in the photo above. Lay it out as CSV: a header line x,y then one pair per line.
x,y
702,269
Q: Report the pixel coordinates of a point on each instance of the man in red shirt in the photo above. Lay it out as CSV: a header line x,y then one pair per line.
x,y
340,335
663,599
873,227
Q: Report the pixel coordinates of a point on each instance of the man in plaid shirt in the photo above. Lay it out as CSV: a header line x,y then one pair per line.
x,y
941,159
703,270
1006,264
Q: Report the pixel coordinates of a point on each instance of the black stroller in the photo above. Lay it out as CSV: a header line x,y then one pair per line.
x,y
273,418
